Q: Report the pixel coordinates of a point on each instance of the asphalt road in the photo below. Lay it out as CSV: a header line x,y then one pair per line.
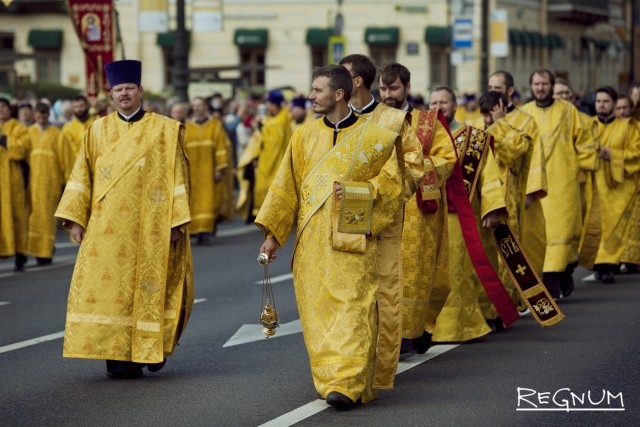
x,y
524,376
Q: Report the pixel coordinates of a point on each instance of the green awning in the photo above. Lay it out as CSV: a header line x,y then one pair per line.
x,y
537,40
168,40
554,41
45,39
318,36
437,36
516,38
258,37
382,36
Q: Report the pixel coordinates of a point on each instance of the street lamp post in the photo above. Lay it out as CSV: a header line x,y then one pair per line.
x,y
180,71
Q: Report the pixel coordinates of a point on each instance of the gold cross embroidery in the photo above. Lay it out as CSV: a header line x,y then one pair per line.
x,y
105,172
157,196
321,180
521,269
469,168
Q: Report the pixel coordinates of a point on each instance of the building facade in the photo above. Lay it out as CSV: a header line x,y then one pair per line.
x,y
256,45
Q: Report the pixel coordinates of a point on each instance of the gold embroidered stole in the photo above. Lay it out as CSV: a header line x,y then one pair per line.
x,y
317,186
425,129
121,156
471,144
542,306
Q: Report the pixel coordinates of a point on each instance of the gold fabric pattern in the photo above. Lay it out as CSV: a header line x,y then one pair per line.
x,y
45,189
335,290
127,273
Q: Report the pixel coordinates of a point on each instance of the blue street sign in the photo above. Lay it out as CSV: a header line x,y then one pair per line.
x,y
462,33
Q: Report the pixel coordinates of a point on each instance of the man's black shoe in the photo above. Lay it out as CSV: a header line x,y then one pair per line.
x,y
607,278
422,344
339,401
123,370
567,285
41,262
155,367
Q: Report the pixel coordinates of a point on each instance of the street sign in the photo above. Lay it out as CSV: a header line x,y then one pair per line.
x,y
336,48
462,33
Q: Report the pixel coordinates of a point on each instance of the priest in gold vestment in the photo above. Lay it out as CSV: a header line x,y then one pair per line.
x,y
127,204
14,149
274,138
339,185
568,147
515,141
45,185
421,229
456,316
207,148
617,181
391,113
72,134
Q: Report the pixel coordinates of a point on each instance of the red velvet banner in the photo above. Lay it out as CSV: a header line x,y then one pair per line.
x,y
93,22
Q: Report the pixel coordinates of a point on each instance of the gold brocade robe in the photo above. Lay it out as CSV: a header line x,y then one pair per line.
x,y
45,187
465,117
568,147
207,151
335,289
244,201
390,269
132,289
275,136
617,182
13,195
460,316
224,187
71,138
519,158
424,235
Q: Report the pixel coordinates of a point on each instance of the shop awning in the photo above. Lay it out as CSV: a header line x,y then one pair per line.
x,y
516,38
45,39
437,36
257,37
168,40
537,40
554,41
318,36
382,36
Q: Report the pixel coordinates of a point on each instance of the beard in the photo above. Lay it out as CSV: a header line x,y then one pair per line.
x,y
543,99
324,109
393,102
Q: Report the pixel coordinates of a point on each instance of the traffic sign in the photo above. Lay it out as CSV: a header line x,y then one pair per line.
x,y
462,33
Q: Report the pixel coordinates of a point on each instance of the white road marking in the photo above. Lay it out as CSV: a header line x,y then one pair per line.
x,y
27,343
276,279
251,333
237,231
312,408
50,337
590,278
4,303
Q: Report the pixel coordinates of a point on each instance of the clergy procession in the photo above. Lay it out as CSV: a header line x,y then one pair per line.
x,y
414,221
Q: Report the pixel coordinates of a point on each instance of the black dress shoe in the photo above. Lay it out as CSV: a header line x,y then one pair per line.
x,y
567,285
422,344
339,401
120,369
607,278
155,367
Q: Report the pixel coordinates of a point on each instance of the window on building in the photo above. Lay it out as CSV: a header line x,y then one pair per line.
x,y
442,73
381,55
253,62
47,65
319,56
